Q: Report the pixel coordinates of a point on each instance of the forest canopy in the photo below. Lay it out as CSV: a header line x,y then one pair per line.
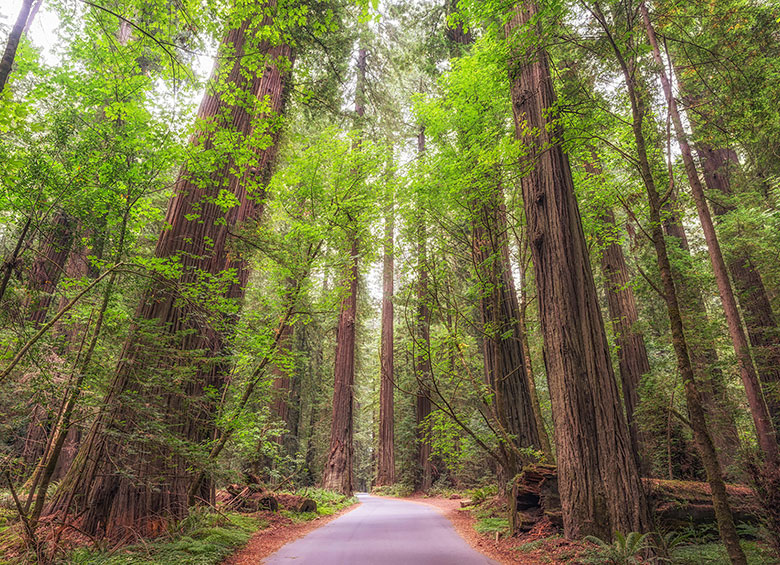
x,y
401,245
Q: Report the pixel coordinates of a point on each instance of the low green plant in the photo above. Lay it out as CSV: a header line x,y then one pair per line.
x,y
480,494
492,525
624,550
398,490
202,538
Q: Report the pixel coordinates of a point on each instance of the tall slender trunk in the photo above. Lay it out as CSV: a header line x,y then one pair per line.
x,y
338,472
386,456
709,376
7,62
599,481
762,328
117,486
758,408
698,421
282,384
422,357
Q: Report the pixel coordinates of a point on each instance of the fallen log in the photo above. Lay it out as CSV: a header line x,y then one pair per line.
x,y
676,504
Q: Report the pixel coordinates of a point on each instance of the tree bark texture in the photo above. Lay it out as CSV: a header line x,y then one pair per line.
x,y
502,341
338,472
758,408
386,457
255,74
48,267
601,492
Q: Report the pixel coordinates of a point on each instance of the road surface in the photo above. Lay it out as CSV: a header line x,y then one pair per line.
x,y
382,532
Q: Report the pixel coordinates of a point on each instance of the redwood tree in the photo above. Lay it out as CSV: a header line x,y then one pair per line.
x,y
599,481
116,484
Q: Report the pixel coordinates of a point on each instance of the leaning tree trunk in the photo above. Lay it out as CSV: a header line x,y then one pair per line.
x,y
601,491
698,421
764,428
338,472
117,485
760,321
7,62
502,342
386,458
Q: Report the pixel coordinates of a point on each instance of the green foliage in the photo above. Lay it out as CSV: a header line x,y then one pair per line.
x,y
492,526
625,550
398,490
203,538
481,494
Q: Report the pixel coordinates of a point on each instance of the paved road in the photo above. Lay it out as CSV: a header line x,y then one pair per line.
x,y
382,532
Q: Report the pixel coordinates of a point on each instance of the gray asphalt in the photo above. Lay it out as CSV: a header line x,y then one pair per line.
x,y
382,532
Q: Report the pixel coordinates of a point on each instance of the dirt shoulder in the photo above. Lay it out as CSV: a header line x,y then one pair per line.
x,y
505,550
280,531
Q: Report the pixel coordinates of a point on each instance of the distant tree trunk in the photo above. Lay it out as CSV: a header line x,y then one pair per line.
x,y
48,267
338,472
7,62
386,457
115,486
758,408
422,347
282,384
698,421
621,305
502,342
601,491
760,321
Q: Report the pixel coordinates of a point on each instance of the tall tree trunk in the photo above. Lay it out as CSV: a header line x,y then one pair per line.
x,y
7,62
386,457
633,361
600,487
502,342
282,384
758,408
116,486
698,421
12,262
48,267
422,346
763,331
338,472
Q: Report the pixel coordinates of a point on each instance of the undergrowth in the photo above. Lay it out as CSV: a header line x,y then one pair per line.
x,y
203,538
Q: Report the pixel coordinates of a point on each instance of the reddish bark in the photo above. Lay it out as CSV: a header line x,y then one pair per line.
x,y
599,481
48,267
502,341
152,487
338,472
386,457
